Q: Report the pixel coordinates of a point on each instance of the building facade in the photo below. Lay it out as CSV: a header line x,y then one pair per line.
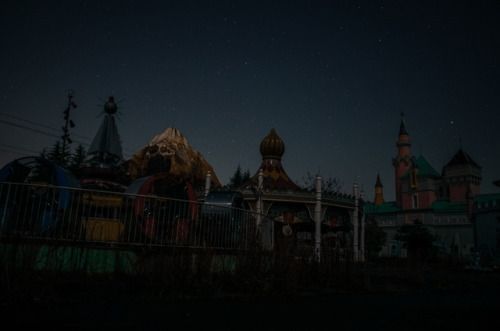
x,y
441,201
294,218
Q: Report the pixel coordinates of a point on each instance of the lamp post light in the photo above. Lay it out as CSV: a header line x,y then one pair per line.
x,y
65,136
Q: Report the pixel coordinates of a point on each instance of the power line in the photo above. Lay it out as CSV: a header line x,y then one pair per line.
x,y
48,127
46,133
44,126
30,129
17,148
14,152
40,132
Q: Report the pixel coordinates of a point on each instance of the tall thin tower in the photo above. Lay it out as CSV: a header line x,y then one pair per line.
x,y
403,161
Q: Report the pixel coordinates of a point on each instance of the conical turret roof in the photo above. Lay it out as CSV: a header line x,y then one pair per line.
x,y
402,126
106,148
379,182
461,158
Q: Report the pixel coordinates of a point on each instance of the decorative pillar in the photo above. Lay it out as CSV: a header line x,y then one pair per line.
x,y
362,249
259,198
208,182
355,239
317,219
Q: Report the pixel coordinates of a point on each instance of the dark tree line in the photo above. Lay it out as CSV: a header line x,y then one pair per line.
x,y
328,184
418,239
66,159
375,237
239,178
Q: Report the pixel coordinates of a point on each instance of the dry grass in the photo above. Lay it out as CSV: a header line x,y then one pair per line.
x,y
170,274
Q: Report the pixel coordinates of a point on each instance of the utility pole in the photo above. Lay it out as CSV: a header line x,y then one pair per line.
x,y
65,136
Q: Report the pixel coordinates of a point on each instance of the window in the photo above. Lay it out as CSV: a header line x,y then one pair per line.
x,y
413,178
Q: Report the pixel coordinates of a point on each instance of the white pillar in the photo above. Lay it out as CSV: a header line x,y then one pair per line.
x,y
317,219
355,239
208,182
362,250
259,198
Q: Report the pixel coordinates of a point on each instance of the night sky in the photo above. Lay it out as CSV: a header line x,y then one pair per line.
x,y
332,77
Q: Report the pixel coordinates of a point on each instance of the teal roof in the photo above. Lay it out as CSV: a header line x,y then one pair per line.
x,y
481,198
383,208
424,168
437,206
445,206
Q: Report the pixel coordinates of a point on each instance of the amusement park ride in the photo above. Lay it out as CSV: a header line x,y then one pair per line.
x,y
40,198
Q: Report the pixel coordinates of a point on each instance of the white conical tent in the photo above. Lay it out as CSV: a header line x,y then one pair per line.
x,y
107,140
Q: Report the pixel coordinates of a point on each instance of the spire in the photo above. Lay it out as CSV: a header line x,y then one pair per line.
x,y
378,183
402,127
379,192
107,141
402,162
104,159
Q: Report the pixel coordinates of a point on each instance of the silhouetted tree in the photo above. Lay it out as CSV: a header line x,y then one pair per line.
x,y
375,237
418,240
64,158
76,160
56,154
329,184
238,178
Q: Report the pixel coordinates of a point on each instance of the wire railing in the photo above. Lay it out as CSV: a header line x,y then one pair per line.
x,y
37,211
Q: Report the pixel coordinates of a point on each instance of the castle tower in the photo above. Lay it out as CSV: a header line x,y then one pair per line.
x,y
379,192
403,161
462,174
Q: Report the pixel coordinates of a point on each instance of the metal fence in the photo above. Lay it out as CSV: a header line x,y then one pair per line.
x,y
37,211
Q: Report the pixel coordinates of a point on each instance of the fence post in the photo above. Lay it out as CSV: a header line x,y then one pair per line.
x,y
355,238
317,219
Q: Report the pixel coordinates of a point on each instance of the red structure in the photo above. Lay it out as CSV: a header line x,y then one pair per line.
x,y
403,161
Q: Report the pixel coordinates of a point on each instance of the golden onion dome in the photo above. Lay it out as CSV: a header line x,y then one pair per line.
x,y
272,147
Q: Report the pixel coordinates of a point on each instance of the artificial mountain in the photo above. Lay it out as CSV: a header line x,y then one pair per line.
x,y
170,152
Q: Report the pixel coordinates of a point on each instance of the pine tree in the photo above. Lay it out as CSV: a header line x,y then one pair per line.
x,y
375,237
64,158
76,160
57,155
246,177
238,178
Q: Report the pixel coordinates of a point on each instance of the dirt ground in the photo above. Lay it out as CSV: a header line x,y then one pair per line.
x,y
457,301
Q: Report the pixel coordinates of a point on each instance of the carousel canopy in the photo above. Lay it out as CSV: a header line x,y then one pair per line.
x,y
37,169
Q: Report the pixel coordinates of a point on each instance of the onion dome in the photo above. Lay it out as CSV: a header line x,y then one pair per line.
x,y
272,147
